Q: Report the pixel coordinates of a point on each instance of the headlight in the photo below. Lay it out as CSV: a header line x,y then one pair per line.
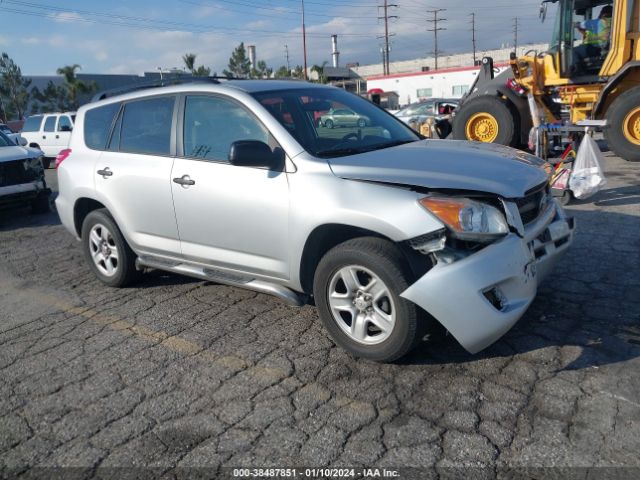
x,y
468,219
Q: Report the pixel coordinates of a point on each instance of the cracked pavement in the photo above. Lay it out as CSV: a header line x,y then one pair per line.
x,y
178,374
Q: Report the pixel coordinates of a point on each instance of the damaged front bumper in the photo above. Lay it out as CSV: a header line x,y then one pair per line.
x,y
480,297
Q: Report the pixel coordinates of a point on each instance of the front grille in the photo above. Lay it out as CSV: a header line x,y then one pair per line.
x,y
15,173
532,205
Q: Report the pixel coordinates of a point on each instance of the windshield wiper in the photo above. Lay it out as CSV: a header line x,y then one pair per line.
x,y
339,152
363,149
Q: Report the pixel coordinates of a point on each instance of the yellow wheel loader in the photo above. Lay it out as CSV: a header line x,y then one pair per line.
x,y
589,76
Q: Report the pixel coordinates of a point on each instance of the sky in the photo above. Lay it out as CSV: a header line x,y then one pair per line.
x,y
120,36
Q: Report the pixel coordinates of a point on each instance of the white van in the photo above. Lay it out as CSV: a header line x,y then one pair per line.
x,y
49,132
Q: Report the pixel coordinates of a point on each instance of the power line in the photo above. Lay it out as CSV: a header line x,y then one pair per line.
x,y
435,30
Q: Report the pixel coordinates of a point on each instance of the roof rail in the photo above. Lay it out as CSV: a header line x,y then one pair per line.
x,y
156,84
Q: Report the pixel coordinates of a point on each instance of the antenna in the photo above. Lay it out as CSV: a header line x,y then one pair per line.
x,y
515,35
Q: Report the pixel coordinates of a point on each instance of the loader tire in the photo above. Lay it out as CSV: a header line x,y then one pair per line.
x,y
623,125
488,120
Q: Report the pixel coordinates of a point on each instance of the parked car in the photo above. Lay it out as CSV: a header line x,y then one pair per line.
x,y
49,132
343,117
15,137
435,108
236,183
22,179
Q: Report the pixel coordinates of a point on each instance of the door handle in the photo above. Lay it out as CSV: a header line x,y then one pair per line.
x,y
184,180
44,137
105,172
57,136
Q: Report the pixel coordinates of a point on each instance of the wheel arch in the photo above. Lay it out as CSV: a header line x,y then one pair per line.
x,y
629,73
83,207
325,237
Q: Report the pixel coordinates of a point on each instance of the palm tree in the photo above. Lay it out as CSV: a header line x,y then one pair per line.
x,y
73,85
319,69
189,60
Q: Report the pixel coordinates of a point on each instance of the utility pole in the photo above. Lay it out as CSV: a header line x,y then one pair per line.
x,y
435,30
386,49
286,55
515,35
473,36
304,42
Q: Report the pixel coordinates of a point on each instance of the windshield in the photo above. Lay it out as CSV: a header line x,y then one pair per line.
x,y
554,46
5,129
329,122
419,109
5,141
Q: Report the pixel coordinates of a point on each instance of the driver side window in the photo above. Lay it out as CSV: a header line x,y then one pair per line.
x,y
212,124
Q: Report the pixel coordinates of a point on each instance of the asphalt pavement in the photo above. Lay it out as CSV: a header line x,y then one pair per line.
x,y
180,377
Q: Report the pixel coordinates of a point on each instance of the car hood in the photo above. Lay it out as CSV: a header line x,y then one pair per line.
x,y
10,154
448,164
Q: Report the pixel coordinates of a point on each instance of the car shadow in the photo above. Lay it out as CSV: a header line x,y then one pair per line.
x,y
591,301
22,217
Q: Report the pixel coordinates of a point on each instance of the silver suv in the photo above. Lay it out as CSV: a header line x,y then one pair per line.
x,y
236,183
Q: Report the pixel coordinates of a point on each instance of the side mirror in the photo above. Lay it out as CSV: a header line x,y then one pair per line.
x,y
253,153
22,141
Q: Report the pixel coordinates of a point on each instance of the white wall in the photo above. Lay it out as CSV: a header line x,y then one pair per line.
x,y
448,61
441,84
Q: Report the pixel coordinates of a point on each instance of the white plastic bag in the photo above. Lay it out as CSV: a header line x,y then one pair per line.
x,y
587,177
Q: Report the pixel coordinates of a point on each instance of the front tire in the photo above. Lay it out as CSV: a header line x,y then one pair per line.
x,y
623,125
357,288
328,124
362,123
106,250
487,119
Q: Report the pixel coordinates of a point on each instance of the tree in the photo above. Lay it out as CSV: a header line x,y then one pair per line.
x,y
239,64
298,72
14,93
54,98
319,69
263,70
73,85
189,60
283,72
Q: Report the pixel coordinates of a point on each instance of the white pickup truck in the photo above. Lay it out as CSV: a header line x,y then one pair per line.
x,y
49,132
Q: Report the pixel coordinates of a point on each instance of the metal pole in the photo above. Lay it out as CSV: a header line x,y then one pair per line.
x,y
304,42
473,36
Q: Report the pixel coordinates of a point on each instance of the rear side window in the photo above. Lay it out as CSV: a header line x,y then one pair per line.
x,y
64,124
50,124
32,124
97,125
146,126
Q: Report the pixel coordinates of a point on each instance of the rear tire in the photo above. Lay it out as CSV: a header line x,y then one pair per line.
x,y
487,119
342,303
328,124
623,125
107,252
362,123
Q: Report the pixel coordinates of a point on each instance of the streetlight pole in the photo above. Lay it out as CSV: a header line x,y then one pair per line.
x,y
304,42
